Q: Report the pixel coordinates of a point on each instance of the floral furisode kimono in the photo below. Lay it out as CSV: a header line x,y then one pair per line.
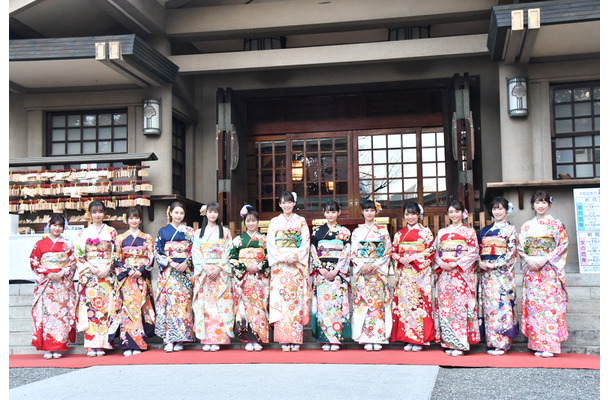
x,y
330,319
95,246
372,316
133,311
213,299
412,301
497,292
545,298
251,290
455,319
54,306
174,289
289,290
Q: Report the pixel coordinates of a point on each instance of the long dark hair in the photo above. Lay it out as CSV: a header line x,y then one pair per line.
x,y
541,195
172,207
204,224
457,205
331,206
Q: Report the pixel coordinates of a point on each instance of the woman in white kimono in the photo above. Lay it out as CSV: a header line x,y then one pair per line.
x,y
288,242
371,249
213,291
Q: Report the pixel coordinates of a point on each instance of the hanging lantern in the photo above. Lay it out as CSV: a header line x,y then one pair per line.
x,y
151,117
517,97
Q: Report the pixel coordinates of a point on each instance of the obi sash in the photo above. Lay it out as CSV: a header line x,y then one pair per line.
x,y
251,256
370,249
54,262
135,257
211,251
330,248
410,248
177,250
493,246
539,245
288,238
99,251
451,250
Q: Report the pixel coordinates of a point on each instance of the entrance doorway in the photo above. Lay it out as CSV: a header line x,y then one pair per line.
x,y
390,166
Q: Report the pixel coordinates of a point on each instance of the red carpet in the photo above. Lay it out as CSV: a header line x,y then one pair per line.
x,y
313,356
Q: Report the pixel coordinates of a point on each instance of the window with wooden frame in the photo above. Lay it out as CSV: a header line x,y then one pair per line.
x,y
575,113
86,132
395,166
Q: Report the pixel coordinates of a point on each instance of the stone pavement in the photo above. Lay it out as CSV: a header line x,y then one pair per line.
x,y
305,381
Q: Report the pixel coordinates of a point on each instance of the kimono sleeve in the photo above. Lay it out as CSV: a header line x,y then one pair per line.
x,y
226,265
148,243
160,256
35,257
472,255
557,257
70,269
239,268
383,263
344,258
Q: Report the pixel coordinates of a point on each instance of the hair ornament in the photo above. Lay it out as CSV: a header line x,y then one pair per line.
x,y
203,209
377,206
294,195
551,199
421,209
465,214
87,215
244,210
124,218
167,214
510,208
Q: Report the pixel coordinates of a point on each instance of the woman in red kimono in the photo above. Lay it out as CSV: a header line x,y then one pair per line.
x,y
413,251
54,308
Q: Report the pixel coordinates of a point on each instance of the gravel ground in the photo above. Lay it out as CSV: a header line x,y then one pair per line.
x,y
453,383
517,383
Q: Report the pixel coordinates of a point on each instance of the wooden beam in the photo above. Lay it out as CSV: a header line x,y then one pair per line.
x,y
128,159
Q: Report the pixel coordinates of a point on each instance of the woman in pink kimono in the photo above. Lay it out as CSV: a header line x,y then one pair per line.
x,y
54,308
371,249
543,248
288,242
413,251
94,250
213,290
457,251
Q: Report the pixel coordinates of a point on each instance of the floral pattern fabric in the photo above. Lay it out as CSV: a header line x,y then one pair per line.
x,y
54,305
213,299
497,291
545,298
173,304
412,301
133,312
251,289
330,318
455,311
95,247
372,316
289,290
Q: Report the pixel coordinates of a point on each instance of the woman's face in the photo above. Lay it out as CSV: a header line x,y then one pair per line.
x,y
212,215
133,221
97,216
331,216
56,229
455,215
499,212
287,206
177,215
369,214
251,223
541,207
411,218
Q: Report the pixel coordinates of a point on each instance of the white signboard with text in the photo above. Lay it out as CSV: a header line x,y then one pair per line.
x,y
588,221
